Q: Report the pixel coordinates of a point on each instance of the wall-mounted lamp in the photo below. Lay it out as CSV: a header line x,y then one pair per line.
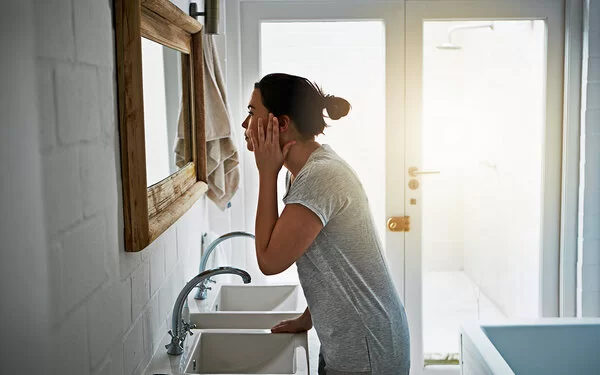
x,y
211,15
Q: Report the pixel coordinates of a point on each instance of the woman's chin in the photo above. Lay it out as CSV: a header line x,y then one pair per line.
x,y
249,146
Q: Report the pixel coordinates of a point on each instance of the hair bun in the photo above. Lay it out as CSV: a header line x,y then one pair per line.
x,y
336,107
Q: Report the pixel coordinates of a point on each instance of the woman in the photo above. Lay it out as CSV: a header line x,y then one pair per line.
x,y
326,228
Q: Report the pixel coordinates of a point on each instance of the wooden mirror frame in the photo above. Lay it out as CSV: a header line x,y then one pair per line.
x,y
149,211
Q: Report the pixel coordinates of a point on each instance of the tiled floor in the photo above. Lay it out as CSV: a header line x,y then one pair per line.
x,y
450,298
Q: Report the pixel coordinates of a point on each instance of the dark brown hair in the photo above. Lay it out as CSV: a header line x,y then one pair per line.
x,y
302,100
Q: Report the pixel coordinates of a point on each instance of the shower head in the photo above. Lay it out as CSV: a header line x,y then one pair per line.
x,y
448,45
451,46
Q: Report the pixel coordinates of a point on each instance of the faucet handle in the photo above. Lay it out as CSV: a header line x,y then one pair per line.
x,y
202,285
174,339
175,347
187,327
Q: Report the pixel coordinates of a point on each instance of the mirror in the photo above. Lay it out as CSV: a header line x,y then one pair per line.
x,y
160,81
166,110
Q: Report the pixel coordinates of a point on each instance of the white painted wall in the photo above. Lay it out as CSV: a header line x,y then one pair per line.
x,y
589,193
23,252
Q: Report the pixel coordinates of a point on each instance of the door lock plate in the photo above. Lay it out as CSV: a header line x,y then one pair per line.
x,y
399,223
413,184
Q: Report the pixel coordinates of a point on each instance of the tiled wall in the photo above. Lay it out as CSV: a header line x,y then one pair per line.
x,y
590,167
23,273
109,308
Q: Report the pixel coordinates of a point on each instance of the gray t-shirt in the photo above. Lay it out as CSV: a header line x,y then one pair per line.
x,y
355,307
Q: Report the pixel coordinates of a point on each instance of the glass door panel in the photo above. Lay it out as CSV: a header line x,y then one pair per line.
x,y
483,117
483,148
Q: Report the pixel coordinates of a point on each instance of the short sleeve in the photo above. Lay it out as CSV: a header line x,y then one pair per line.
x,y
319,189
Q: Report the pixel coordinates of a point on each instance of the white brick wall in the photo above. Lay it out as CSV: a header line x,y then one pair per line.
x,y
110,309
24,279
82,259
133,347
93,44
104,310
590,189
54,29
62,184
140,289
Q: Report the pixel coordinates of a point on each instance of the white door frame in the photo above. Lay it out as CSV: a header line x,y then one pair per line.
x,y
571,157
552,11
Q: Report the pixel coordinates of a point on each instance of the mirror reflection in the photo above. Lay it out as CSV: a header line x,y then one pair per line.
x,y
166,110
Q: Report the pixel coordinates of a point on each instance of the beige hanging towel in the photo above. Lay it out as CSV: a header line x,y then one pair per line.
x,y
221,154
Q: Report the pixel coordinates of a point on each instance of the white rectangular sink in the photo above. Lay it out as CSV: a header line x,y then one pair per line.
x,y
239,319
259,298
248,306
248,352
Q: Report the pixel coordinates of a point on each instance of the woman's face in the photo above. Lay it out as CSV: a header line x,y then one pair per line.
x,y
256,110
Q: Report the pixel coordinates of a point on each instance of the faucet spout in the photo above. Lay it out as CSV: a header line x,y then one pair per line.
x,y
180,328
202,288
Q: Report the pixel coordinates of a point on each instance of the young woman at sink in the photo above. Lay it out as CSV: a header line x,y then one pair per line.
x,y
326,228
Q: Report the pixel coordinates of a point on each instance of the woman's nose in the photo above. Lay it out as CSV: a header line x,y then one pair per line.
x,y
245,123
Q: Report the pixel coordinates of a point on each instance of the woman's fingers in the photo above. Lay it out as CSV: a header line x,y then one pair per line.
x,y
268,154
276,131
282,329
270,135
270,126
261,132
252,141
282,323
277,328
281,326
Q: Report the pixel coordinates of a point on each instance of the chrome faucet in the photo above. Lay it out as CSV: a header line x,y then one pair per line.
x,y
202,287
181,327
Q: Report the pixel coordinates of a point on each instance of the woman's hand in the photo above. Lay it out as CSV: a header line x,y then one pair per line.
x,y
269,155
300,324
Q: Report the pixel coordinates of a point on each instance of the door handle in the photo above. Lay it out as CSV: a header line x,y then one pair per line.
x,y
398,224
414,172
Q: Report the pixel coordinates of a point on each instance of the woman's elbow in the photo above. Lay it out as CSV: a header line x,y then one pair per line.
x,y
268,269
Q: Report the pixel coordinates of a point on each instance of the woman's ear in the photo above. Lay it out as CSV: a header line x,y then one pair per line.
x,y
284,122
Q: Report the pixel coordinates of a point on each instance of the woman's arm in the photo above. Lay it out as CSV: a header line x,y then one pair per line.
x,y
280,240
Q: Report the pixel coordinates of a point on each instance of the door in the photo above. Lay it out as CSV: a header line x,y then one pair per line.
x,y
374,55
483,126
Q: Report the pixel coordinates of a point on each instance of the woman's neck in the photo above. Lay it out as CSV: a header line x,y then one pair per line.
x,y
299,154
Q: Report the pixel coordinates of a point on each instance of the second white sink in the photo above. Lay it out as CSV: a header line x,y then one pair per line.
x,y
250,297
247,306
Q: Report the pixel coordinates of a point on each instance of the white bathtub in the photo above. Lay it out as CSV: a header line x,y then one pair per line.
x,y
550,346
